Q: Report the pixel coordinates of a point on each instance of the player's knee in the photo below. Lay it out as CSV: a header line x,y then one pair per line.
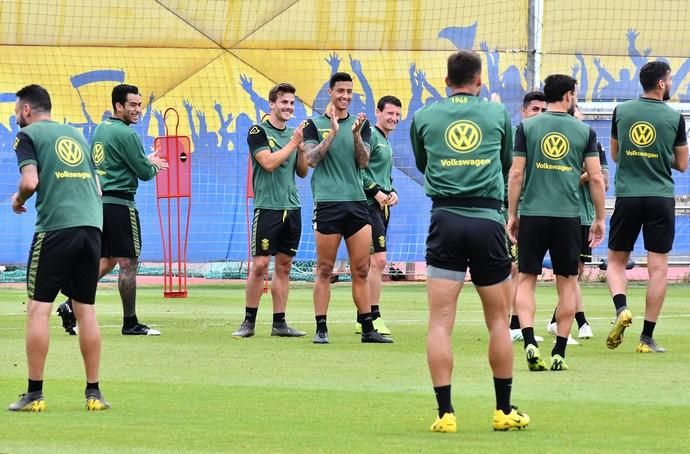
x,y
38,312
324,270
359,271
128,265
440,325
657,269
259,269
282,267
378,263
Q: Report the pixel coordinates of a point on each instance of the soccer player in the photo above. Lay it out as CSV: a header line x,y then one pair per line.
x,y
337,146
120,162
648,139
55,164
277,226
548,156
533,104
584,330
462,146
381,196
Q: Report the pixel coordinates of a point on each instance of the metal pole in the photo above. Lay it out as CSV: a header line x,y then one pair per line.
x,y
535,15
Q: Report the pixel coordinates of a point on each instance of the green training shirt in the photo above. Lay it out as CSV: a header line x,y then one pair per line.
x,y
67,195
462,145
337,178
378,175
120,160
274,190
646,130
555,145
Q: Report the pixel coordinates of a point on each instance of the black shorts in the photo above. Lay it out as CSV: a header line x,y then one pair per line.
x,y
343,218
585,249
456,242
654,215
64,260
379,227
559,236
121,231
276,231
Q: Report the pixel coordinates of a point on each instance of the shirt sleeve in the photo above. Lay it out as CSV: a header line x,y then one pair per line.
x,y
602,156
591,149
257,140
507,145
366,132
24,148
370,186
136,159
614,128
418,149
681,135
520,146
310,133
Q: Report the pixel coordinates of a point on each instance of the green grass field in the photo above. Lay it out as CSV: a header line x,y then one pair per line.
x,y
196,389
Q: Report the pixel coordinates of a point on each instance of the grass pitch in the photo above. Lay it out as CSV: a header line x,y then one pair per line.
x,y
196,389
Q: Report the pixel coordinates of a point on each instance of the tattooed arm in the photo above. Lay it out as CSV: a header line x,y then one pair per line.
x,y
362,134
316,151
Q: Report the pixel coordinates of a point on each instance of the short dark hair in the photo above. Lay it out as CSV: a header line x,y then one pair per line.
x,y
463,66
388,99
535,95
280,88
120,93
339,77
652,72
557,85
35,96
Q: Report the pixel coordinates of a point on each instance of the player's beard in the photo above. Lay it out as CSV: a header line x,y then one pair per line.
x,y
667,94
571,109
132,118
21,121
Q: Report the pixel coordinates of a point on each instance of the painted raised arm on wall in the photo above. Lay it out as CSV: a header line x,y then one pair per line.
x,y
334,62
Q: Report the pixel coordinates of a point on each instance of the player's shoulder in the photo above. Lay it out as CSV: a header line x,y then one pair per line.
x,y
493,109
528,122
317,119
43,125
428,109
256,129
573,124
75,132
491,105
28,130
377,136
627,106
376,132
116,127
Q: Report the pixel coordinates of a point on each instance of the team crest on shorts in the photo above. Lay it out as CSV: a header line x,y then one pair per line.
x,y
264,244
382,241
